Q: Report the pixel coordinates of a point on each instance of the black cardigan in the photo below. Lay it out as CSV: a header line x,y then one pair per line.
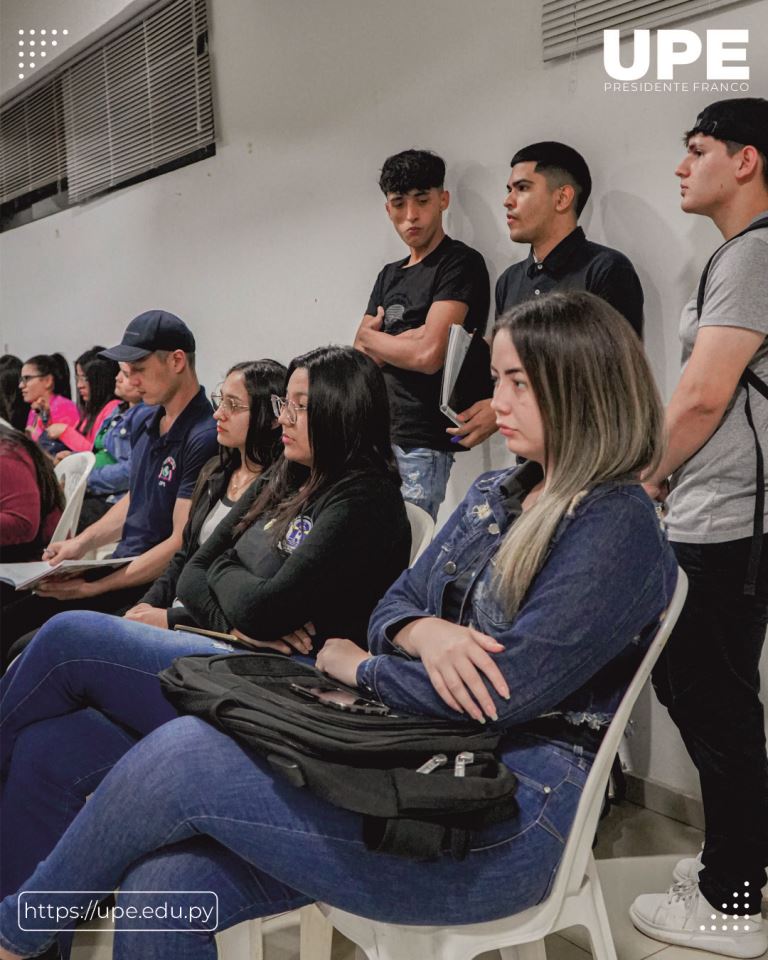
x,y
211,485
359,543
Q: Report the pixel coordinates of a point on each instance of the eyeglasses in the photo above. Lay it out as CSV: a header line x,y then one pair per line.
x,y
31,376
227,404
292,410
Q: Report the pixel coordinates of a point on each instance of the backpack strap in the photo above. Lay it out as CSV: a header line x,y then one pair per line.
x,y
748,379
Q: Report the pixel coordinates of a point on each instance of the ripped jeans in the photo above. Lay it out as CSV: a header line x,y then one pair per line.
x,y
425,475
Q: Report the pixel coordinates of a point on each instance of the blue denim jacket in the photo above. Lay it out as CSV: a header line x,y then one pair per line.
x,y
118,440
581,629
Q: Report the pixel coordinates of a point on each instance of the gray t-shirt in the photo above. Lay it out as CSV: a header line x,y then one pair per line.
x,y
713,493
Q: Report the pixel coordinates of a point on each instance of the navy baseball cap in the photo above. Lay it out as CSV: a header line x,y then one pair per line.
x,y
150,331
743,120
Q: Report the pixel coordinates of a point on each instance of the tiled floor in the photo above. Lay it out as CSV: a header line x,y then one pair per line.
x,y
636,851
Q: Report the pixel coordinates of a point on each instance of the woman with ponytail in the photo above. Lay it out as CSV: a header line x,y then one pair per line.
x,y
41,383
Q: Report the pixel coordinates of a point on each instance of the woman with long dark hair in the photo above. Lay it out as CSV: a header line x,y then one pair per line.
x,y
41,381
18,409
303,555
530,610
95,377
31,499
249,443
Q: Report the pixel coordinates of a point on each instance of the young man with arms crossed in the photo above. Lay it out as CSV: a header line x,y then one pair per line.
x,y
547,190
157,356
413,305
708,676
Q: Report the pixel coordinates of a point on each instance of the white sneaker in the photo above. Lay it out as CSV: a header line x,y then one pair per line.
x,y
687,869
682,916
690,867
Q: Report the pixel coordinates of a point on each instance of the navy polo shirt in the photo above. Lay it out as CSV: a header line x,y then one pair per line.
x,y
575,264
163,469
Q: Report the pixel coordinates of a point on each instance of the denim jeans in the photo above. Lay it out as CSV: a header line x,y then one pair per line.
x,y
188,804
425,475
54,747
708,678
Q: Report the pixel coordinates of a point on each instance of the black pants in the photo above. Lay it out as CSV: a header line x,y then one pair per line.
x,y
708,678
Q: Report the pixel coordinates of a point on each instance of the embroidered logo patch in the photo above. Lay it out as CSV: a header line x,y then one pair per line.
x,y
299,528
167,471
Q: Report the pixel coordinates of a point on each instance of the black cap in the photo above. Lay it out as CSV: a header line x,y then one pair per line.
x,y
743,120
153,330
550,153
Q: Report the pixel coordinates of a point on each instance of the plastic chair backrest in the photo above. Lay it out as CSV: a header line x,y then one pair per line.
x,y
422,530
570,874
74,471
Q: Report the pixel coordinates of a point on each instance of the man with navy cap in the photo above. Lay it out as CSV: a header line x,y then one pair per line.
x,y
715,468
547,190
157,354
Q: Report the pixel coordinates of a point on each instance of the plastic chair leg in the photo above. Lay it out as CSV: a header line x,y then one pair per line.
x,y
525,951
316,935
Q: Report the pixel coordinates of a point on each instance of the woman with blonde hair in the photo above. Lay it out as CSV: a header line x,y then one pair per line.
x,y
530,610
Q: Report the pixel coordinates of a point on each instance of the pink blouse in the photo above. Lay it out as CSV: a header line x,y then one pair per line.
x,y
62,411
79,441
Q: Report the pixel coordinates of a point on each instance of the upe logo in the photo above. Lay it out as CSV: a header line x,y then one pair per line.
x,y
676,48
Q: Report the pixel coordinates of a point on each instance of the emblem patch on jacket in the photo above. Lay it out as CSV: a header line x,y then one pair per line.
x,y
294,535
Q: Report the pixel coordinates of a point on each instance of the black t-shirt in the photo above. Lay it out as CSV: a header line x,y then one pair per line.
x,y
575,264
453,271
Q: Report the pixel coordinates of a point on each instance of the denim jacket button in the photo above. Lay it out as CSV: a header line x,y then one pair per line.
x,y
547,789
494,528
449,568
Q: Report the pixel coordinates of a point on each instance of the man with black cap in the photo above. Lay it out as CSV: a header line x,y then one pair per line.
x,y
547,190
157,355
717,424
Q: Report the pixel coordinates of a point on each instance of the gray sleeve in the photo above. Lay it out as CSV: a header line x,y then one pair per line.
x,y
736,293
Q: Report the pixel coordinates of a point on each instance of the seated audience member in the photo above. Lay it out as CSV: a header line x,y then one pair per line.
x,y
157,354
62,376
410,312
51,413
531,609
112,446
304,554
10,372
95,376
249,443
31,499
547,191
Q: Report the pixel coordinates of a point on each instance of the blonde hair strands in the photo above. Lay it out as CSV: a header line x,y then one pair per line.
x,y
602,415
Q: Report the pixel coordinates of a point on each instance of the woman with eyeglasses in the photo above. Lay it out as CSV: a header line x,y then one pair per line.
x,y
95,380
249,443
531,610
51,412
305,554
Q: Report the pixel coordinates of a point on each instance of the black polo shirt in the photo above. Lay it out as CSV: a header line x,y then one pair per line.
x,y
163,469
575,264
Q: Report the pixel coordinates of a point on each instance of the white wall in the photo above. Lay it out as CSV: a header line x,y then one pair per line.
x,y
272,246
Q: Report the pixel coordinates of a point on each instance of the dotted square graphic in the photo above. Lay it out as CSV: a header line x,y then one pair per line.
x,y
35,43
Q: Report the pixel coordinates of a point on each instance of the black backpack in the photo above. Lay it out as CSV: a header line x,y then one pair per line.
x,y
365,763
748,379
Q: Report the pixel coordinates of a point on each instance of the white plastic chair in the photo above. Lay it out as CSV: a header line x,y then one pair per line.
x,y
576,898
73,471
422,530
245,941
